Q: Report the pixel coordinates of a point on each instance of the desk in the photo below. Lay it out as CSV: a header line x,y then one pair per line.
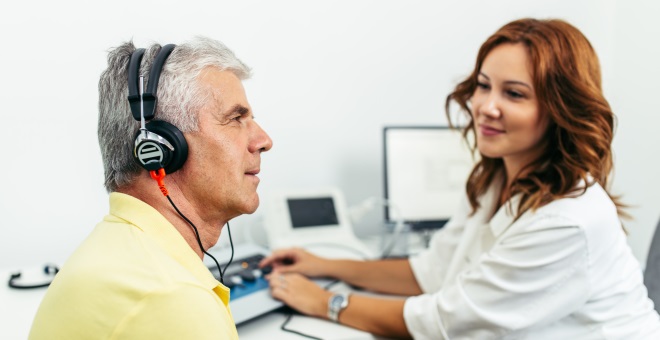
x,y
18,307
268,327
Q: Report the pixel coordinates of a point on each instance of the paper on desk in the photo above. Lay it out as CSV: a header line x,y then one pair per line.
x,y
326,330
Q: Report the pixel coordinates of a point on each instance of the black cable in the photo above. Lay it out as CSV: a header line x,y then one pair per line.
x,y
199,241
231,258
48,269
283,327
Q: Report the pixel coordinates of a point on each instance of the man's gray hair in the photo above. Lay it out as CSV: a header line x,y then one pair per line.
x,y
180,97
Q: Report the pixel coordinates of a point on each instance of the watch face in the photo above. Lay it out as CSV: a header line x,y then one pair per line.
x,y
336,301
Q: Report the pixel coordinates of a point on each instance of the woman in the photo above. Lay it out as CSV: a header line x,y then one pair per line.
x,y
537,249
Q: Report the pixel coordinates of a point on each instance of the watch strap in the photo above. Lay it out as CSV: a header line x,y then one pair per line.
x,y
334,309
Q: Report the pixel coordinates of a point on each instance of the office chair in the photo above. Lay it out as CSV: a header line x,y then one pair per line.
x,y
652,271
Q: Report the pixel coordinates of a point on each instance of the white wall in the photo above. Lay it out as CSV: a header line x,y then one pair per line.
x,y
327,77
634,93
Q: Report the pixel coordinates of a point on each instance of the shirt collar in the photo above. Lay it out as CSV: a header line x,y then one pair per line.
x,y
505,215
147,219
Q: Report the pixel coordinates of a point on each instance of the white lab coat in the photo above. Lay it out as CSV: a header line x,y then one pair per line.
x,y
563,272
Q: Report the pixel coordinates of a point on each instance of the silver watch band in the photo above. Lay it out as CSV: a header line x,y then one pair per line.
x,y
336,303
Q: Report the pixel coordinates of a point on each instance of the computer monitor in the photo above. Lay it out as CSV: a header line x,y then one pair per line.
x,y
425,170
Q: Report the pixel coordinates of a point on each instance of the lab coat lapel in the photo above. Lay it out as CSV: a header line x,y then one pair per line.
x,y
470,242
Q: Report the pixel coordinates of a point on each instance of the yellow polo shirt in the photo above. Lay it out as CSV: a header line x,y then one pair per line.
x,y
134,277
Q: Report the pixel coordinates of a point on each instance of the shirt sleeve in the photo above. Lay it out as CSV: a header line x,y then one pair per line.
x,y
184,312
532,276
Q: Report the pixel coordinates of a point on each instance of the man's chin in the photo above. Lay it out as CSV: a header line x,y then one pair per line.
x,y
252,206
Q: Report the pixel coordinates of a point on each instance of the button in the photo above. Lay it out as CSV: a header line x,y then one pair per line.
x,y
266,270
247,276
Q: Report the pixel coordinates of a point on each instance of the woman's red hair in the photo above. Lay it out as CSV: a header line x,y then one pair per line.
x,y
567,81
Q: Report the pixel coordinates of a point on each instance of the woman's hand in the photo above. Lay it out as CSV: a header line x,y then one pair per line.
x,y
296,260
299,293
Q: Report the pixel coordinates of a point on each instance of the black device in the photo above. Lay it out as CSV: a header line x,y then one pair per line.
x,y
48,269
312,212
158,144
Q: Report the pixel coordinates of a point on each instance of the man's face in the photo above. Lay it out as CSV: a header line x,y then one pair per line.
x,y
220,174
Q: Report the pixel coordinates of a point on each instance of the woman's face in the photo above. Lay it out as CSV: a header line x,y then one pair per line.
x,y
505,109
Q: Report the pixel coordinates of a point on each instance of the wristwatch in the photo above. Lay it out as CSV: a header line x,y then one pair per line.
x,y
336,304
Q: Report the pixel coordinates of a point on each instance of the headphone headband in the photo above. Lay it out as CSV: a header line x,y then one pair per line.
x,y
158,144
133,79
149,97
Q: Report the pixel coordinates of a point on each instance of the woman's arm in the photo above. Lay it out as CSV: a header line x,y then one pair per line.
x,y
383,276
382,316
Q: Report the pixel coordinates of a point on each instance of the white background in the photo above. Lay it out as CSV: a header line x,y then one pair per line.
x,y
328,75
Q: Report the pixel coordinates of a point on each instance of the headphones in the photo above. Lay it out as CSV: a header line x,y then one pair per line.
x,y
158,144
48,269
160,147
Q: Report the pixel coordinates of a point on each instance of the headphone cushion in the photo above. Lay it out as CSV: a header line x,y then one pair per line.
x,y
173,135
51,269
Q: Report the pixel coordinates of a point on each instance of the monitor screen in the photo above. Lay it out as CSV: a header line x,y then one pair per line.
x,y
312,212
425,170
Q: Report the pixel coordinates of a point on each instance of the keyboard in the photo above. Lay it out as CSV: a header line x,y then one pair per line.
x,y
243,277
249,292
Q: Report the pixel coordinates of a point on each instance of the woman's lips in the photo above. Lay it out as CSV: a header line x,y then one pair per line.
x,y
489,131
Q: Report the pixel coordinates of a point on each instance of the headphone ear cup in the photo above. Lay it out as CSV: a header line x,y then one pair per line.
x,y
51,269
48,269
173,135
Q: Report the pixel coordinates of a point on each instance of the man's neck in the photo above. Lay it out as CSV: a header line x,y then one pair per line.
x,y
146,190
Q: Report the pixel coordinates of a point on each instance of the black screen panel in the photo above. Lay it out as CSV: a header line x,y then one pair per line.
x,y
312,212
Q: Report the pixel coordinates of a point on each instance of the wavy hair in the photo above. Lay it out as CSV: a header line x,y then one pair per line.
x,y
567,80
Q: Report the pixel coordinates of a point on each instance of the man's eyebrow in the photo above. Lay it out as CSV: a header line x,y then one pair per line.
x,y
238,108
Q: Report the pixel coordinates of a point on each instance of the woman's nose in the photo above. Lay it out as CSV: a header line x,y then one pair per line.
x,y
491,107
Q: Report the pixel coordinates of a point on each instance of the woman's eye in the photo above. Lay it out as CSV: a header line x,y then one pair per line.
x,y
483,86
515,94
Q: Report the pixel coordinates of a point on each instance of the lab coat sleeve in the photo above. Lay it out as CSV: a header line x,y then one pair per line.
x,y
533,275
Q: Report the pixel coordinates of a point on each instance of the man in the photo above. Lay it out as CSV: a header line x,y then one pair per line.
x,y
139,274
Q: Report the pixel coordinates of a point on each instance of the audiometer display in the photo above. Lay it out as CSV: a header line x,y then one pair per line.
x,y
312,212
